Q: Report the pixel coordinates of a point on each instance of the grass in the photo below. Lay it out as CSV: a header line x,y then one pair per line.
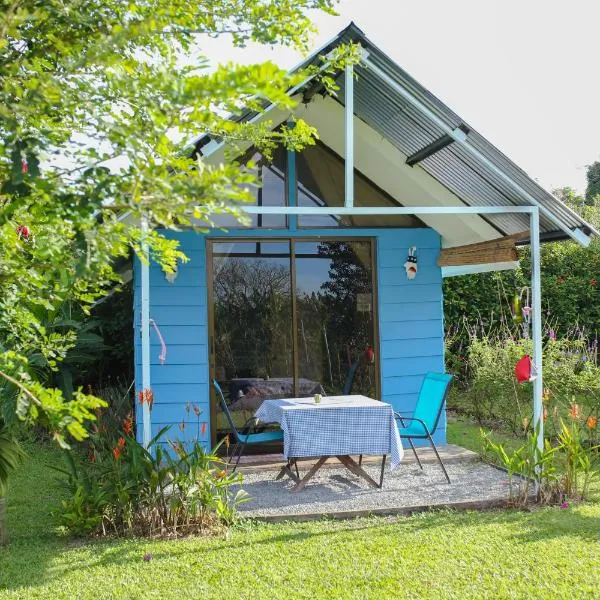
x,y
463,431
546,553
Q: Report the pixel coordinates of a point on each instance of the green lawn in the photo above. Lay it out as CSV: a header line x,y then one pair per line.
x,y
547,553
464,432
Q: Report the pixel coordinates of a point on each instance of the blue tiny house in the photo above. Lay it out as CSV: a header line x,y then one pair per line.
x,y
314,292
409,326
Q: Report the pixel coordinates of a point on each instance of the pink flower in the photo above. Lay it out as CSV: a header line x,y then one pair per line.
x,y
148,557
564,505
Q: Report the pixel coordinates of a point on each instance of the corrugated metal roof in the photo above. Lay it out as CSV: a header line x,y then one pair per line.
x,y
387,112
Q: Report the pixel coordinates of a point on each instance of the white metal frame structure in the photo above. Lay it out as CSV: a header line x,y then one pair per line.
x,y
531,207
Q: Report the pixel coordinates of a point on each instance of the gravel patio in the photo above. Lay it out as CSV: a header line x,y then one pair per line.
x,y
336,492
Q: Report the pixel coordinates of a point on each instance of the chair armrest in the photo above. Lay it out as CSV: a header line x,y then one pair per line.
x,y
402,419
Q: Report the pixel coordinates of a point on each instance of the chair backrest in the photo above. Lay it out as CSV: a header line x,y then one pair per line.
x,y
225,409
432,396
350,377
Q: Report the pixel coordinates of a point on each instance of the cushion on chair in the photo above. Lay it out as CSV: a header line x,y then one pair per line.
x,y
263,437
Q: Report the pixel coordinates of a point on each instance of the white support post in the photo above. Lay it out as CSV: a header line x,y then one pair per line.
x,y
145,327
536,321
349,122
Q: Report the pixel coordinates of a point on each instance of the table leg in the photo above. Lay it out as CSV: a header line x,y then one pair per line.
x,y
302,483
287,470
354,467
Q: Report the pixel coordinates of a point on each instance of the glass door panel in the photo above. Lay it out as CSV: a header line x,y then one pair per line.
x,y
252,325
335,318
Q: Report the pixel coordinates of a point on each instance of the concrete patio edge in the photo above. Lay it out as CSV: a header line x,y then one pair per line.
x,y
387,511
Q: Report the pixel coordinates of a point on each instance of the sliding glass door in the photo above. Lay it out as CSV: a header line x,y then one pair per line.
x,y
334,323
290,318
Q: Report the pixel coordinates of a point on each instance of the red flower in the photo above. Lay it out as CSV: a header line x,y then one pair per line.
x,y
24,166
203,430
146,396
593,282
591,422
116,451
23,232
197,410
121,443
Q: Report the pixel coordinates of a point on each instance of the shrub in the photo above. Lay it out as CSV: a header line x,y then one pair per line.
x,y
127,489
562,471
493,396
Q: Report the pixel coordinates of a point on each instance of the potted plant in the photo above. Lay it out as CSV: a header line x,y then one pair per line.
x,y
10,457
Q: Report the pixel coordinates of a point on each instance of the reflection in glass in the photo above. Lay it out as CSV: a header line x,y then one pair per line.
x,y
254,321
271,175
252,325
320,175
335,326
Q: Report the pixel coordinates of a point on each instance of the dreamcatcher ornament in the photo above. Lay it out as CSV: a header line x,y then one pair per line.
x,y
521,310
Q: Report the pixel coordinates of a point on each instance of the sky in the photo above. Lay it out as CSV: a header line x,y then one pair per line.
x,y
524,73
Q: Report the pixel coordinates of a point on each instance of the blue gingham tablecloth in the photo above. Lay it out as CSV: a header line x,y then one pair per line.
x,y
338,425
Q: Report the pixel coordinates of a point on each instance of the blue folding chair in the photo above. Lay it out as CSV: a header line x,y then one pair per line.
x,y
246,437
426,417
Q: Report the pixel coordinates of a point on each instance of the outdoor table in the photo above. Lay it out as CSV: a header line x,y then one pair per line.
x,y
338,426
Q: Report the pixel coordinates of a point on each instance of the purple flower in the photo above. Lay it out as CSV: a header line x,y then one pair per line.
x,y
552,334
148,557
564,505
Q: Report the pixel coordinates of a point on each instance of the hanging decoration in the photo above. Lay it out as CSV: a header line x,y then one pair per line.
x,y
411,263
521,310
369,354
525,369
171,277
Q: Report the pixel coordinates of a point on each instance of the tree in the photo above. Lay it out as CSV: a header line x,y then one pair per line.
x,y
96,97
592,190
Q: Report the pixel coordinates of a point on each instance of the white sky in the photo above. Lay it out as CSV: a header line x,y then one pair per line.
x,y
524,73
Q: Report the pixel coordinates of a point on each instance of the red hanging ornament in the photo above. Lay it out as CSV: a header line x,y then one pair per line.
x,y
525,369
370,354
24,165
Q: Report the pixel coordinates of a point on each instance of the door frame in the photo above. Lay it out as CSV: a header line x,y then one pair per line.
x,y
291,238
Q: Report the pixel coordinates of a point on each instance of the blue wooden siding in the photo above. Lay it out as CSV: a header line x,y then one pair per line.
x,y
411,330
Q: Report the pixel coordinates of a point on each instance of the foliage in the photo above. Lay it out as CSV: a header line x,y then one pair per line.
x,y
562,471
115,318
531,465
119,409
592,190
556,552
125,489
492,394
11,455
97,99
570,287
